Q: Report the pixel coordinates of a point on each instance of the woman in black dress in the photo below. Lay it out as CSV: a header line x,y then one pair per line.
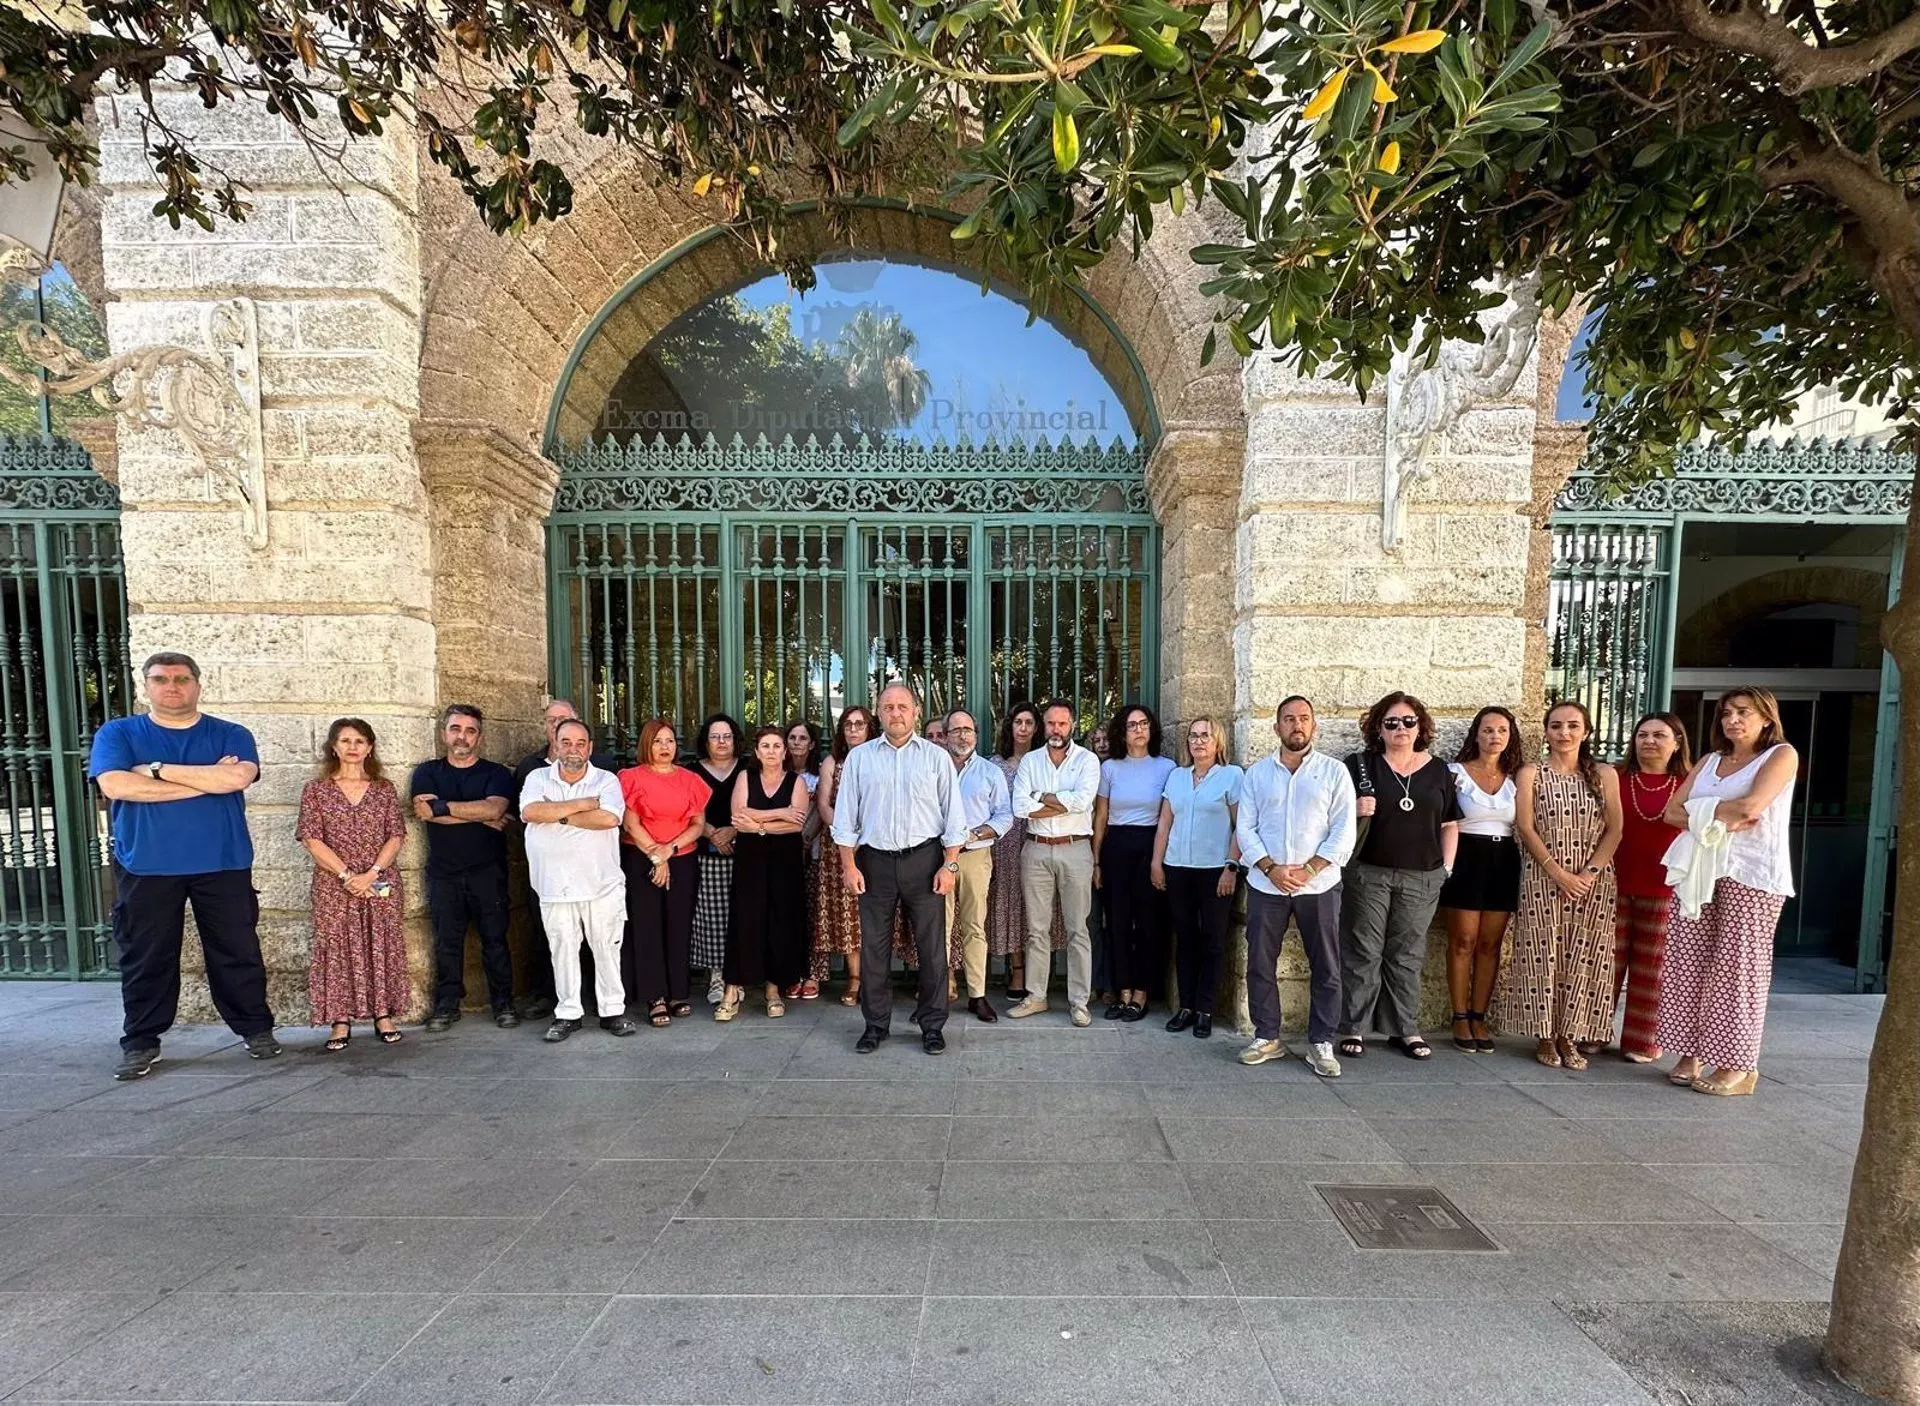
x,y
717,763
768,940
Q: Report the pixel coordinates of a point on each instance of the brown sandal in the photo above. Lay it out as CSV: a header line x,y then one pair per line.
x,y
851,996
1570,1056
658,1013
1545,1053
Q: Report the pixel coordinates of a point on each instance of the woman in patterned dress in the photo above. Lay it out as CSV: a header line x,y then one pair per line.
x,y
717,759
350,823
1559,988
836,910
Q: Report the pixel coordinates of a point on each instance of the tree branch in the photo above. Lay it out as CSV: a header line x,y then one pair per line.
x,y
1886,222
1800,66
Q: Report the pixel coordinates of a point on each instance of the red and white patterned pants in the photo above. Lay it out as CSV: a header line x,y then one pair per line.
x,y
1639,951
1713,990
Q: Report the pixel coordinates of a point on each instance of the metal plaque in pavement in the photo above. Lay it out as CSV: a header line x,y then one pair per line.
x,y
1403,1218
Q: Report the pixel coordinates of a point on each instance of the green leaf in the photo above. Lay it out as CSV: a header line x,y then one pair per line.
x,y
1524,53
1066,140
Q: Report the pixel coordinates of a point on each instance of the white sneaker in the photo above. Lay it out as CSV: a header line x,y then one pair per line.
x,y
1082,1017
1321,1061
1033,1005
716,987
1260,1051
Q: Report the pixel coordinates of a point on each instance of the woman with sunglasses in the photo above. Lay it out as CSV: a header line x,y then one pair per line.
x,y
1410,817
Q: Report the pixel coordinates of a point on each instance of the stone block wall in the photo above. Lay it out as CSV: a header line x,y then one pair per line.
x,y
334,616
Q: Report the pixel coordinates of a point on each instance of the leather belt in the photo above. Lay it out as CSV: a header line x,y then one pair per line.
x,y
901,853
1058,839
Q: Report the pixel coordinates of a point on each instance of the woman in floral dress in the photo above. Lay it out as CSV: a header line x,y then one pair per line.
x,y
350,823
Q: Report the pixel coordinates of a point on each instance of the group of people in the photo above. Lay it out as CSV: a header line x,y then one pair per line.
x,y
759,861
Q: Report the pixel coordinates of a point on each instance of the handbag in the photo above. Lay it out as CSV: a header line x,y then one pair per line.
x,y
1363,787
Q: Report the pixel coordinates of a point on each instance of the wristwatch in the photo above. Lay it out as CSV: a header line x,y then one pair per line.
x,y
1236,866
153,769
953,867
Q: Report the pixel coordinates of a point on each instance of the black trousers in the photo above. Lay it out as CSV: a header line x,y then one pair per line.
x,y
1200,919
476,898
1318,917
1136,911
659,926
905,880
149,924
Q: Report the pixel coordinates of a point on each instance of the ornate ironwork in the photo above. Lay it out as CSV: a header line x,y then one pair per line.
x,y
51,475
712,476
1817,478
212,399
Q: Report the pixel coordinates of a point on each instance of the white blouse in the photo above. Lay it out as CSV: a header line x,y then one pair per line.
x,y
1480,813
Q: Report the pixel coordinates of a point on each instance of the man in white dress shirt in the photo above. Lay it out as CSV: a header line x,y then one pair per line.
x,y
572,811
897,822
1053,791
986,807
1296,829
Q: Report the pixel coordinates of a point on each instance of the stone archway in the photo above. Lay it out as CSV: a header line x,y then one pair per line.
x,y
1702,637
503,317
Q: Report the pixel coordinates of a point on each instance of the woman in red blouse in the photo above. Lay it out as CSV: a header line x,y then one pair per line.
x,y
1648,779
665,806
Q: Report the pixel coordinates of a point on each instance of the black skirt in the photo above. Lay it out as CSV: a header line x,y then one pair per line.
x,y
1486,876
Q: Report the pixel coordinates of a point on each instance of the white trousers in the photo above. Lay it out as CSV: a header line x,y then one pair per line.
x,y
601,922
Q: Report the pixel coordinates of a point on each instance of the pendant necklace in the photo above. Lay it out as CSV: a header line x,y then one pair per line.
x,y
1406,791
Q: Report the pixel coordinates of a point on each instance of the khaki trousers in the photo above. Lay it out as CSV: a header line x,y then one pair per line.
x,y
967,915
1063,873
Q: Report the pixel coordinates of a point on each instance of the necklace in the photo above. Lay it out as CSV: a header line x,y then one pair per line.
x,y
1406,790
1660,794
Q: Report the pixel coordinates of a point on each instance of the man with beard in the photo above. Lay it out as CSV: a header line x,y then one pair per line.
x,y
1054,791
986,808
463,799
1296,829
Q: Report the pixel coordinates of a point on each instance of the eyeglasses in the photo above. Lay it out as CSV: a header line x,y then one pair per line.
x,y
1132,723
960,732
1200,736
1400,724
177,680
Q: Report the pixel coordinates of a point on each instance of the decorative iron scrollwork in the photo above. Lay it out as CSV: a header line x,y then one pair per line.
x,y
714,476
51,475
1789,478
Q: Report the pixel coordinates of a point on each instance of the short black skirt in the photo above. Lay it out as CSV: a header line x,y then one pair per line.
x,y
1486,876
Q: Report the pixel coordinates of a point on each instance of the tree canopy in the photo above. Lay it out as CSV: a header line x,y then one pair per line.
x,y
1732,185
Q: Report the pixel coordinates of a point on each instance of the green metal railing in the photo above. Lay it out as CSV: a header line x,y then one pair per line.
x,y
788,581
1607,624
63,672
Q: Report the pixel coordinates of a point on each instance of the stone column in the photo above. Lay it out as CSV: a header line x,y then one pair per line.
x,y
1324,609
333,616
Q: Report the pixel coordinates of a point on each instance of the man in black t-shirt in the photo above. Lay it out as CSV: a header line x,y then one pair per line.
x,y
464,799
540,993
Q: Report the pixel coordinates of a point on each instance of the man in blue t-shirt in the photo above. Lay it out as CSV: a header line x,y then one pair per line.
x,y
463,798
174,778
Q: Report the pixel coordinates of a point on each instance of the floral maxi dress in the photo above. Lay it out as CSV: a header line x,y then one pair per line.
x,y
359,958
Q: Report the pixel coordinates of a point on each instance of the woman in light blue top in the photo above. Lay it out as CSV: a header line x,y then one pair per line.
x,y
1126,815
1196,863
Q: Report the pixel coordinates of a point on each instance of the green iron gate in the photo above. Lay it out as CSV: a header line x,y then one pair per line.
x,y
787,581
63,672
1615,579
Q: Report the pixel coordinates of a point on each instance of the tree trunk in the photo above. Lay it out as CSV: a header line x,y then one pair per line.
x,y
1873,1335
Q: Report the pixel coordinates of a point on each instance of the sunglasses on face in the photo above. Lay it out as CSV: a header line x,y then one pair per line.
x,y
1400,724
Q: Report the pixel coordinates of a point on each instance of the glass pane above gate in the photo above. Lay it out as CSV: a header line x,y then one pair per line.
x,y
790,581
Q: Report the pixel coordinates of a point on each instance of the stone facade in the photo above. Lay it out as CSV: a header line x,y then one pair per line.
x,y
410,360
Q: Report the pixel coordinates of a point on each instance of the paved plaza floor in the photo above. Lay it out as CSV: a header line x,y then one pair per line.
x,y
754,1214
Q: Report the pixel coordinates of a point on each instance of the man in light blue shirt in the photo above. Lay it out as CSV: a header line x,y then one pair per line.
x,y
897,811
1296,829
988,812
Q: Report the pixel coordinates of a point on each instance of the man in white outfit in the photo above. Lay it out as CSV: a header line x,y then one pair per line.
x,y
1053,791
572,811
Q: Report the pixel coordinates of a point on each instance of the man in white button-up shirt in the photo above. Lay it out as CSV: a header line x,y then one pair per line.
x,y
986,807
1296,829
898,809
1053,791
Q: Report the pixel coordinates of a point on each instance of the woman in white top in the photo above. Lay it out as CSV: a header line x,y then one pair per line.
x,y
1126,816
1713,996
1481,894
1196,864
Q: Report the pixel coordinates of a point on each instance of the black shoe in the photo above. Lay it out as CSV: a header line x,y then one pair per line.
x,y
536,1008
619,1025
933,1042
1132,1011
981,1011
1182,1018
263,1046
136,1064
441,1020
559,1030
1016,993
1116,1010
1203,1026
507,1018
869,1040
